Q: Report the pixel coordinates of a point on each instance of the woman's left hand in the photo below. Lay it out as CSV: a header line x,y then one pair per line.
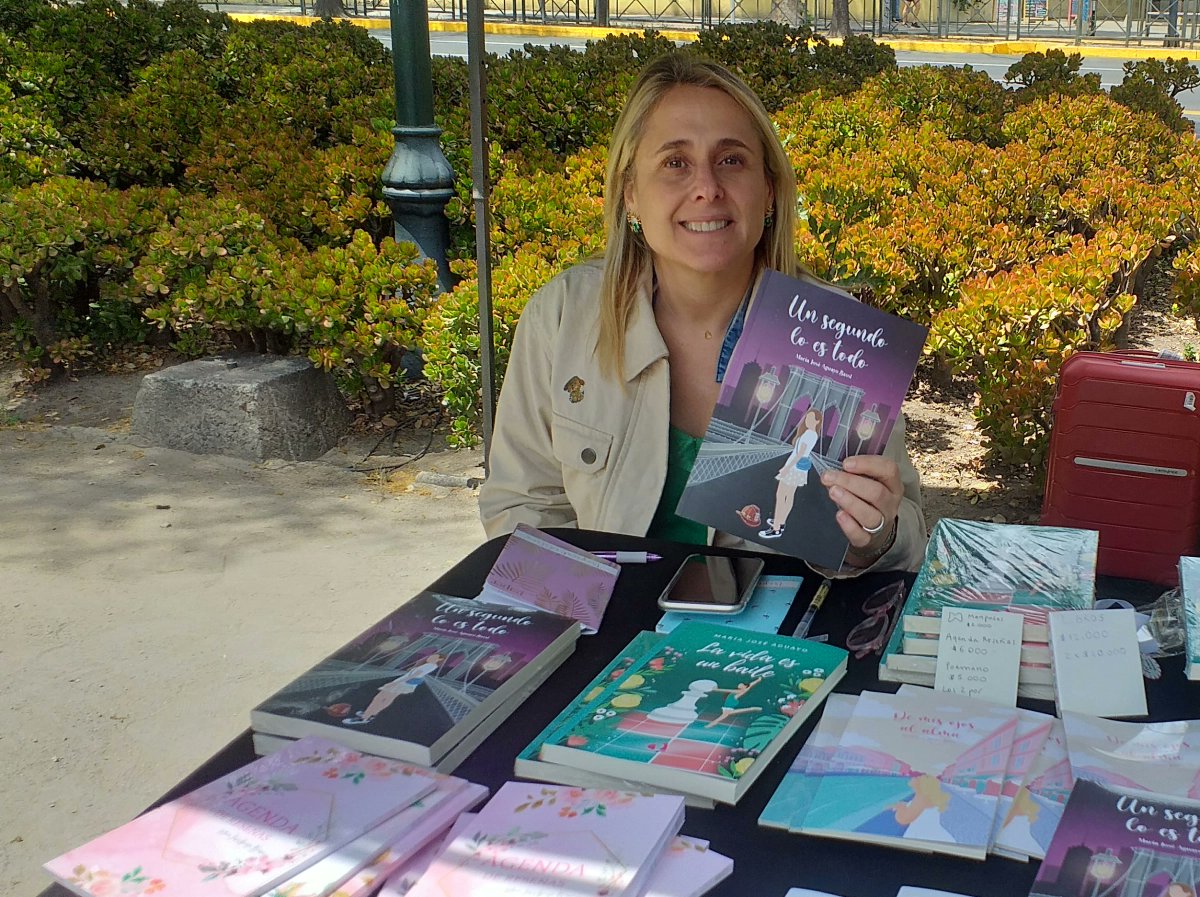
x,y
868,493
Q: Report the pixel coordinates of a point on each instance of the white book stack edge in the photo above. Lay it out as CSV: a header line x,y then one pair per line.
x,y
406,831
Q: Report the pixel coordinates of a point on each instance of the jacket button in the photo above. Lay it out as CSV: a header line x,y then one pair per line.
x,y
588,456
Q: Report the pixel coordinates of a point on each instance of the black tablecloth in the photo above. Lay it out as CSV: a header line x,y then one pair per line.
x,y
766,862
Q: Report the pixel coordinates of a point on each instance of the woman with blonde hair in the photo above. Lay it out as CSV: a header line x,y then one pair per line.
x,y
617,362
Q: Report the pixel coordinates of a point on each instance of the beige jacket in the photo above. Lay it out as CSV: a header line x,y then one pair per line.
x,y
573,448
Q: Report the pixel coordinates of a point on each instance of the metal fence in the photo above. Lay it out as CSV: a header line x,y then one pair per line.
x,y
1151,23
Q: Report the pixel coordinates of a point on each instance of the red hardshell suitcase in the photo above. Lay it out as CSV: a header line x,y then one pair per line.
x,y
1124,460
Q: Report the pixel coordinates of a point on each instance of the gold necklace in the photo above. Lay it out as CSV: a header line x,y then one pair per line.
x,y
708,334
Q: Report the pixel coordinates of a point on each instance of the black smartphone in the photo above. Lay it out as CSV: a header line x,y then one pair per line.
x,y
710,583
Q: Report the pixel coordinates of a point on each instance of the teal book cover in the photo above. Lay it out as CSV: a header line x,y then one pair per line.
x,y
764,612
639,646
921,770
790,802
704,712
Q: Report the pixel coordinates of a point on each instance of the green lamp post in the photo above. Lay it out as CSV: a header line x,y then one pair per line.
x,y
418,181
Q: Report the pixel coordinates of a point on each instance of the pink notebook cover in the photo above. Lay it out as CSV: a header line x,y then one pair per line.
x,y
425,816
544,841
249,830
425,840
537,570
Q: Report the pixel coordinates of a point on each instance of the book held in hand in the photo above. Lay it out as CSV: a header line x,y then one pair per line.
x,y
535,570
815,377
249,830
421,679
702,713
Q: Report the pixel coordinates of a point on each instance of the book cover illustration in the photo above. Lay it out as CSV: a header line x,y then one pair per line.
x,y
1162,757
1189,587
789,804
534,569
1033,729
921,769
704,712
580,706
1030,822
421,678
1111,843
768,605
247,831
544,841
815,377
978,564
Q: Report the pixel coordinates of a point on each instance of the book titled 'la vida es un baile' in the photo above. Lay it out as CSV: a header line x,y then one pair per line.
x,y
815,378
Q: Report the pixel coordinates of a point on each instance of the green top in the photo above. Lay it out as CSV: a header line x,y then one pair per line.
x,y
681,455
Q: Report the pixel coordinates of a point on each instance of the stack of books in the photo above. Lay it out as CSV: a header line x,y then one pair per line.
x,y
541,840
425,684
699,711
303,822
1030,570
920,770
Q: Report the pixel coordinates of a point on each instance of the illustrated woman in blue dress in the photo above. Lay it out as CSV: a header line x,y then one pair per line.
x,y
794,472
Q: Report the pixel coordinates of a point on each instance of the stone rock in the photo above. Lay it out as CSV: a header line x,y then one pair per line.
x,y
245,406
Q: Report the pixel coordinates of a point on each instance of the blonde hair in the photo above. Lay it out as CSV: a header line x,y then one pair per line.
x,y
929,789
628,260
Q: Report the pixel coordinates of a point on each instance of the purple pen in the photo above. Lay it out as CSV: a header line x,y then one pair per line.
x,y
628,557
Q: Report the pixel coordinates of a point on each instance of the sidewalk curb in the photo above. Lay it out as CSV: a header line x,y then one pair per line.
x,y
903,44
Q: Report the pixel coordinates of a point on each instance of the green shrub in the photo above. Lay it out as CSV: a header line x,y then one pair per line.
x,y
967,105
206,273
144,136
356,309
1151,85
31,148
66,247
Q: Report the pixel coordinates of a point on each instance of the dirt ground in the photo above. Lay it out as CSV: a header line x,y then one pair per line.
x,y
130,674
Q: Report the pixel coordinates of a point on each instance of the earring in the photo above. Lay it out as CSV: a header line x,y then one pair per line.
x,y
635,223
769,219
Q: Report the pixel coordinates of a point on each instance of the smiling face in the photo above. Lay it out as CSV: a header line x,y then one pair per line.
x,y
699,185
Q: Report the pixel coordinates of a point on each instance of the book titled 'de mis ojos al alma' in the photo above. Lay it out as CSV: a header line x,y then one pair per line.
x,y
816,377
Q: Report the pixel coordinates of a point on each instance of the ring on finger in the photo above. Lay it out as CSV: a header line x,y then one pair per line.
x,y
878,528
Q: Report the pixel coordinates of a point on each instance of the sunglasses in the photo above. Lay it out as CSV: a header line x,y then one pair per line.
x,y
871,633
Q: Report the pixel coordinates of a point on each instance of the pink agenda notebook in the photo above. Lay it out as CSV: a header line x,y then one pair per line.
x,y
249,830
546,841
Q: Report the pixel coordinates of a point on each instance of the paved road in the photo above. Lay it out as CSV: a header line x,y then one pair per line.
x,y
1110,69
